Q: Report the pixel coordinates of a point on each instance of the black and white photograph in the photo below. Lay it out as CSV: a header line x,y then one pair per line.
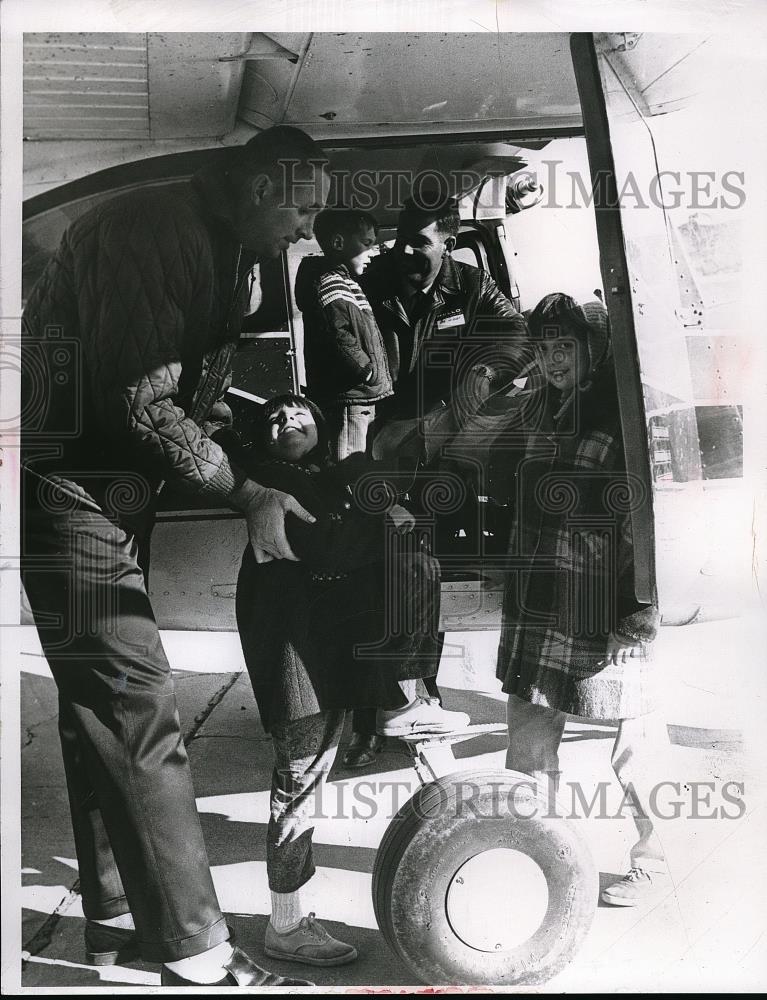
x,y
383,495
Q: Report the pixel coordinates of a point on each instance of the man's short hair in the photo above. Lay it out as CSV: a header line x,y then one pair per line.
x,y
427,205
280,152
341,221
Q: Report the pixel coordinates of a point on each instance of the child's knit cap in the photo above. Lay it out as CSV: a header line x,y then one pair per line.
x,y
558,315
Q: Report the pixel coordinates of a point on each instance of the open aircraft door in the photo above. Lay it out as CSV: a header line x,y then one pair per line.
x,y
668,165
689,404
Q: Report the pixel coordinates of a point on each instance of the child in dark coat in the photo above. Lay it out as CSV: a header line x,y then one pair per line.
x,y
352,624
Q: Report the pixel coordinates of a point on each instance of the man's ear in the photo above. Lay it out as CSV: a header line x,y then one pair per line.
x,y
337,242
260,186
450,244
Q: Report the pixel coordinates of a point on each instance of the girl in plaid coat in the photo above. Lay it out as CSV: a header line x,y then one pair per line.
x,y
575,640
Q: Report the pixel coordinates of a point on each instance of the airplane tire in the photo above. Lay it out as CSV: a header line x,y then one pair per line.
x,y
450,823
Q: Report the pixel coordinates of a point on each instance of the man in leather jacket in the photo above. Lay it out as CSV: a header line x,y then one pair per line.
x,y
456,338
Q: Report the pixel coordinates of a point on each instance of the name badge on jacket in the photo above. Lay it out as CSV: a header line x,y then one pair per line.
x,y
450,320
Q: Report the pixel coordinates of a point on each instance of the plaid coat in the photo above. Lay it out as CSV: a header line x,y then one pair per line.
x,y
570,580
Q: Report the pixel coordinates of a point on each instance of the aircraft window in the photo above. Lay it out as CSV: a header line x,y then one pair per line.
x,y
262,365
720,433
42,233
470,255
553,245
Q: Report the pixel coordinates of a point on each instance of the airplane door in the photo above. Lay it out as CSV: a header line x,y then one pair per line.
x,y
667,161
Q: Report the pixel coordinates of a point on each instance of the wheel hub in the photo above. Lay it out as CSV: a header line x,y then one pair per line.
x,y
497,900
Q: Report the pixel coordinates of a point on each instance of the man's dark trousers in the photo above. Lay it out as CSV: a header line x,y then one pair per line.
x,y
137,832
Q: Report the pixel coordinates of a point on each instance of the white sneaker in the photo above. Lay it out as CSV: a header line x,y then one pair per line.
x,y
636,887
424,715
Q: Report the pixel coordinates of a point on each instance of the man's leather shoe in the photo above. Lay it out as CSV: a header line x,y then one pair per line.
x,y
105,945
362,749
241,970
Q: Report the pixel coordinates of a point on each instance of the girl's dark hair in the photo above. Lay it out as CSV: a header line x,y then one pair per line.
x,y
271,406
557,314
554,312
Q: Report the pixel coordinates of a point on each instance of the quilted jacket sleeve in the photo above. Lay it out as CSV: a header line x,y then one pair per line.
x,y
142,277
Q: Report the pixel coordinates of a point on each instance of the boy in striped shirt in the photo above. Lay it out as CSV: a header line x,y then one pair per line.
x,y
347,361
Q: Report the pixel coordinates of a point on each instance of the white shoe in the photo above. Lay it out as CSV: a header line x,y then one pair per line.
x,y
424,715
636,887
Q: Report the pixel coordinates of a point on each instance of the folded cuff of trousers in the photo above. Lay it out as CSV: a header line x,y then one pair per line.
x,y
196,944
289,881
106,910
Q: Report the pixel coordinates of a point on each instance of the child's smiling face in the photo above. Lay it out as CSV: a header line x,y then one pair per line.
x,y
565,361
292,433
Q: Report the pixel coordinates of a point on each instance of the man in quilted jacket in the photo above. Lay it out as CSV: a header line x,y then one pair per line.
x,y
129,336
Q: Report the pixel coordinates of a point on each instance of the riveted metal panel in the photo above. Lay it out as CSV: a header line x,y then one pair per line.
x,y
436,79
132,85
85,86
194,82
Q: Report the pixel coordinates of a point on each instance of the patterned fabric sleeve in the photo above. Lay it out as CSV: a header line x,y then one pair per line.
x,y
600,457
342,304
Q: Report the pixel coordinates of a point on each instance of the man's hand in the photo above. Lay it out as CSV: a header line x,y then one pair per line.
x,y
621,649
265,511
401,518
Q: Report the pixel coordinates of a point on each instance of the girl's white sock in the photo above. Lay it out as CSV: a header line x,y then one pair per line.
x,y
287,910
408,688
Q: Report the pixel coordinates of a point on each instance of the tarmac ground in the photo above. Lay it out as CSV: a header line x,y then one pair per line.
x,y
705,932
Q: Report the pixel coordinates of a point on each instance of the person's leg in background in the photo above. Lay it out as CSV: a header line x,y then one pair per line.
x,y
639,760
414,635
139,842
304,751
430,683
535,733
349,428
365,743
420,644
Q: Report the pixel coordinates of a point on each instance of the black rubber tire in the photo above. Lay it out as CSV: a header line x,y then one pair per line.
x,y
443,825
